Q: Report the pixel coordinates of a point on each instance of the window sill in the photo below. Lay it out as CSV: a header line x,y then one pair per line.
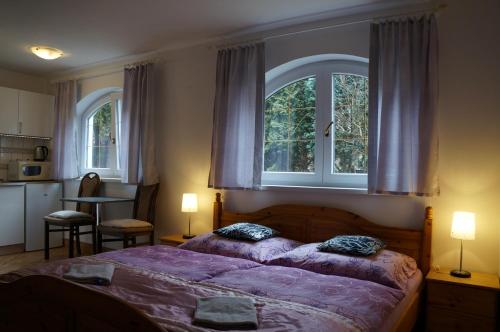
x,y
111,180
115,180
333,190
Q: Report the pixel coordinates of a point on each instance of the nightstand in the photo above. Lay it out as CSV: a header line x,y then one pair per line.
x,y
462,304
172,240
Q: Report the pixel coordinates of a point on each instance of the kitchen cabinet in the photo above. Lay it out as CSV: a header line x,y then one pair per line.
x,y
41,200
26,113
36,114
11,215
9,109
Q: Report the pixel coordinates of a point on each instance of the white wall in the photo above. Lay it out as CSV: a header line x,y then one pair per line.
x,y
108,188
469,137
469,131
184,133
353,40
15,80
468,126
89,85
350,39
185,99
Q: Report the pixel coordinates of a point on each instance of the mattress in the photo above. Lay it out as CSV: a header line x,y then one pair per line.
x,y
414,285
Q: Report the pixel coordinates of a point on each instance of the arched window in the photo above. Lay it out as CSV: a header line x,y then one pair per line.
x,y
316,125
100,132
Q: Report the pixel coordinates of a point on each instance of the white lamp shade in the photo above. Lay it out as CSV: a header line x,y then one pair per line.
x,y
463,226
189,202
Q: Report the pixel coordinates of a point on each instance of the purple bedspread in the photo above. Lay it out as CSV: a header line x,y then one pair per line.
x,y
366,303
387,267
165,282
174,261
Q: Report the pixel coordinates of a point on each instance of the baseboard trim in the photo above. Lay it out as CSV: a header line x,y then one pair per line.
x,y
12,249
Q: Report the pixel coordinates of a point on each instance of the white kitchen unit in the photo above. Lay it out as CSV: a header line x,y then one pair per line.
x,y
26,113
9,110
41,199
11,215
36,114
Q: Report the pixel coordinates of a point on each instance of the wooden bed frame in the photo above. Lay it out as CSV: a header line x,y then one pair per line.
x,y
45,303
315,224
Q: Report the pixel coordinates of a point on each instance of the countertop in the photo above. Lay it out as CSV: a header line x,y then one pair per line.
x,y
11,184
22,183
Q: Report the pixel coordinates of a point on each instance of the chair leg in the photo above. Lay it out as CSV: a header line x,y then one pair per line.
x,y
125,241
94,247
152,239
99,241
71,236
46,247
77,236
134,241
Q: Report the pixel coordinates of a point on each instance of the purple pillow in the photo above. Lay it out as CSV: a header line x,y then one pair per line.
x,y
387,268
260,251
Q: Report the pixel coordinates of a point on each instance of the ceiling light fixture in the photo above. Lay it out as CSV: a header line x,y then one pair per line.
x,y
47,53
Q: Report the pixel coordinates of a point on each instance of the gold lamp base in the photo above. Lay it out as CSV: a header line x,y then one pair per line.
x,y
188,235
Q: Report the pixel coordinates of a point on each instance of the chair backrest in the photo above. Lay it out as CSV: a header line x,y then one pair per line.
x,y
89,187
145,202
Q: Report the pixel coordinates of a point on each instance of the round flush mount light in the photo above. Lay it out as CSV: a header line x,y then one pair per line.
x,y
47,53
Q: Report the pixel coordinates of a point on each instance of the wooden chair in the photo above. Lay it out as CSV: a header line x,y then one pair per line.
x,y
127,230
71,221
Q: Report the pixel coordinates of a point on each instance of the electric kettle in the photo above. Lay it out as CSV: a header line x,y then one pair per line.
x,y
41,153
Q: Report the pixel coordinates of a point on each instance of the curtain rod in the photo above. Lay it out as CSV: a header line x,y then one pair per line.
x,y
108,72
86,77
436,9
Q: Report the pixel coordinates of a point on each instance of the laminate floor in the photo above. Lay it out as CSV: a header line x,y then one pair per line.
x,y
13,262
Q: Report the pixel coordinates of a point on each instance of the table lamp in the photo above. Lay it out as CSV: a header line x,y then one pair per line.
x,y
189,205
463,228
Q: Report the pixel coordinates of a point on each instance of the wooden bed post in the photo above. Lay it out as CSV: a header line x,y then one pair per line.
x,y
426,241
217,211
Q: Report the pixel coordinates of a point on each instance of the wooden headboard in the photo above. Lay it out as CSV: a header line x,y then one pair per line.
x,y
315,224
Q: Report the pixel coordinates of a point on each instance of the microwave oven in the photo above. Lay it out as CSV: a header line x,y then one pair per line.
x,y
26,170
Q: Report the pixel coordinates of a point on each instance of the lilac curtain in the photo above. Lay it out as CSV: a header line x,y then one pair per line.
x,y
403,141
237,135
137,140
64,146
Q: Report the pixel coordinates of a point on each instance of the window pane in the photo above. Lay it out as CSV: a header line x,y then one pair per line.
x,y
350,107
289,126
99,144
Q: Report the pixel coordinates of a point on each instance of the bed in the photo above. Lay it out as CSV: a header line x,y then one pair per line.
x,y
155,288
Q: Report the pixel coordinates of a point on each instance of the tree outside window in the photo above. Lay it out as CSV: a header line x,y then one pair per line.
x,y
290,128
316,126
100,136
100,140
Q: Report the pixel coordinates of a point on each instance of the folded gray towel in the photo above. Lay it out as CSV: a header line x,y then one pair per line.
x,y
96,274
226,313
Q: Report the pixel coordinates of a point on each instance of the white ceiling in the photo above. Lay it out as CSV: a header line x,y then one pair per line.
x,y
91,31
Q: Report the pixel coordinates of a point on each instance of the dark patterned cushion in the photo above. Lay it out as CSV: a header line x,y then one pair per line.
x,y
356,245
246,231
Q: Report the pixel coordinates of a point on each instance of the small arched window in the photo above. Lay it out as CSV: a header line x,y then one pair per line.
x,y
316,125
100,136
